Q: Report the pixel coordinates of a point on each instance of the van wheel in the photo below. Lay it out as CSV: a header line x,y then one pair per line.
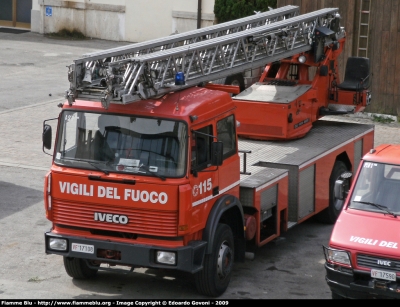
x,y
237,80
330,214
336,296
78,268
216,274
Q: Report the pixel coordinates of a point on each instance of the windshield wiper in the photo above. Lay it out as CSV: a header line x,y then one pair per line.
x,y
150,172
380,207
92,163
98,167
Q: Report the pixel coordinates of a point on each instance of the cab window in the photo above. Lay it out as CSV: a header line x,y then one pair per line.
x,y
226,134
201,148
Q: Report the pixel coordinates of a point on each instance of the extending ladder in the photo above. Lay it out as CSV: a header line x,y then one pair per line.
x,y
92,66
363,28
153,74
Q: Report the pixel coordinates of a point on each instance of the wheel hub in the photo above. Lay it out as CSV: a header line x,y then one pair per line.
x,y
225,260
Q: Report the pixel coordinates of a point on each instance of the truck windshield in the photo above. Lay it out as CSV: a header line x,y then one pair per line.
x,y
377,188
124,144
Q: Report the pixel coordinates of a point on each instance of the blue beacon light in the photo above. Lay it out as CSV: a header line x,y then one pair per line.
x,y
180,78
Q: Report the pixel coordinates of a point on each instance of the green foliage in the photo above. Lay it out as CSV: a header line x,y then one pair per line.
x,y
382,119
226,10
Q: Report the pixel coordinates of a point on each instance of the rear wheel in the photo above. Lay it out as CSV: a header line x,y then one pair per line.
x,y
214,279
237,80
78,268
330,214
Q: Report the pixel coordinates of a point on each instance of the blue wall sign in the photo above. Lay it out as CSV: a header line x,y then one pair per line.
x,y
49,11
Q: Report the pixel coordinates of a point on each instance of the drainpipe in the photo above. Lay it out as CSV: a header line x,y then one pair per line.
x,y
198,14
85,18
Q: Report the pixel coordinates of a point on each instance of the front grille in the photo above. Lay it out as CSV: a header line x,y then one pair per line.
x,y
377,263
140,221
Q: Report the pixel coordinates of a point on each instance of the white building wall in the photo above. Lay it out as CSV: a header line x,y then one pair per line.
x,y
121,20
184,15
104,19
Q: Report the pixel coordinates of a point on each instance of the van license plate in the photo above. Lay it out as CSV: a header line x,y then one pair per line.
x,y
383,275
82,248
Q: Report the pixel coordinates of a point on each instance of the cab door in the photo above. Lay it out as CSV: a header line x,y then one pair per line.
x,y
204,176
229,171
208,181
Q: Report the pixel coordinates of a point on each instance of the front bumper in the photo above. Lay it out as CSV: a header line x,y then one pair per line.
x,y
360,285
189,258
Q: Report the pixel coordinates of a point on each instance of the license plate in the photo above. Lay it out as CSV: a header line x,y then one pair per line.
x,y
82,248
383,275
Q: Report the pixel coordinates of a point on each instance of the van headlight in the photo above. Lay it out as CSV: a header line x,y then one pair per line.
x,y
337,256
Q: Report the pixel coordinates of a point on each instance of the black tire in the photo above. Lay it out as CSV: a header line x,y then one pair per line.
x,y
216,274
77,268
330,214
336,296
236,80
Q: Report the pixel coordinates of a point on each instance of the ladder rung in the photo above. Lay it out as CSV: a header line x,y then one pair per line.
x,y
363,36
362,48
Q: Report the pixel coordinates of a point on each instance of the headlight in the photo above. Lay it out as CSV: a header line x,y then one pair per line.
x,y
58,244
166,257
337,256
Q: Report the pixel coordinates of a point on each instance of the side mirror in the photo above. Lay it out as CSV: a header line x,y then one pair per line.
x,y
217,153
342,185
46,136
339,189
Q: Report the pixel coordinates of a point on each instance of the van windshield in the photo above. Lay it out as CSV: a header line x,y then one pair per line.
x,y
125,144
377,188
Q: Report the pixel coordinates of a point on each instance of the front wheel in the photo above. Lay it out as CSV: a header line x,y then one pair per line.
x,y
78,268
336,296
216,274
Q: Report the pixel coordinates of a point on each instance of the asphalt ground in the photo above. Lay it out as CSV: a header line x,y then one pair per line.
x,y
34,79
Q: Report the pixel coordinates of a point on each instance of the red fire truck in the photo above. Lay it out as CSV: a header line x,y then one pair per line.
x,y
155,165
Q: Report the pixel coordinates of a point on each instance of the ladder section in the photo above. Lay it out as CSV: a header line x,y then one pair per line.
x,y
92,67
150,75
194,36
363,28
